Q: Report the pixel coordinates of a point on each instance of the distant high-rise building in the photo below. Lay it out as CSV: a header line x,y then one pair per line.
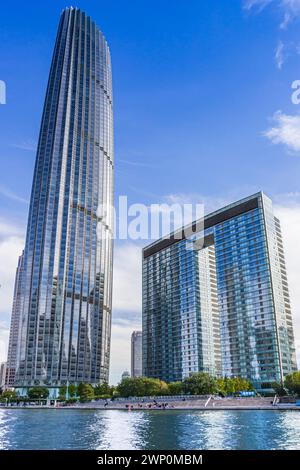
x,y
136,354
66,298
125,375
2,375
228,292
14,333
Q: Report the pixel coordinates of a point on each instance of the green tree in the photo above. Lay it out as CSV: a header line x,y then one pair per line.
x,y
71,401
241,385
80,388
292,382
9,394
155,387
247,385
72,390
142,386
221,386
279,389
230,386
62,392
131,387
103,389
200,383
175,388
85,392
38,392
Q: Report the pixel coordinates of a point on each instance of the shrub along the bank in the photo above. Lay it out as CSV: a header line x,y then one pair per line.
x,y
85,392
175,388
38,392
104,389
102,397
196,384
71,401
231,386
292,383
71,391
199,383
279,389
8,395
142,386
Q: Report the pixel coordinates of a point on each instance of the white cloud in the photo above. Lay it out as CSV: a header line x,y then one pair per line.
x,y
11,246
137,163
8,193
286,131
8,229
290,9
10,250
4,333
210,203
127,289
260,4
279,55
29,144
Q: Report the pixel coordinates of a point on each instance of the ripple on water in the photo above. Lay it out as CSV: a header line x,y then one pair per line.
x,y
117,429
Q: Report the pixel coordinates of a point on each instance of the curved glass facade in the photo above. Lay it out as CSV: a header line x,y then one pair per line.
x,y
66,302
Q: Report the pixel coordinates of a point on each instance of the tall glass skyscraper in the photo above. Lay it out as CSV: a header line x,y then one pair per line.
x,y
66,298
218,301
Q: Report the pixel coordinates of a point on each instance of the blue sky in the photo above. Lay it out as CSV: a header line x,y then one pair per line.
x,y
196,88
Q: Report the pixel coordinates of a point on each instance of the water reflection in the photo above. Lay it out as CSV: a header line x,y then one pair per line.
x,y
84,429
118,430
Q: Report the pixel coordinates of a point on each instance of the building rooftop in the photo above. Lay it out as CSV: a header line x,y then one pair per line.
x,y
210,220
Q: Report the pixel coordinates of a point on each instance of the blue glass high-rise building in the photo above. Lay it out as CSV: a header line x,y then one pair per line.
x,y
67,284
218,301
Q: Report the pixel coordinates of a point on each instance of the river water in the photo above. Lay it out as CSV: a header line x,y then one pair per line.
x,y
150,430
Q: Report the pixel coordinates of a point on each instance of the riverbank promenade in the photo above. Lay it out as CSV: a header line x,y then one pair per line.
x,y
171,403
